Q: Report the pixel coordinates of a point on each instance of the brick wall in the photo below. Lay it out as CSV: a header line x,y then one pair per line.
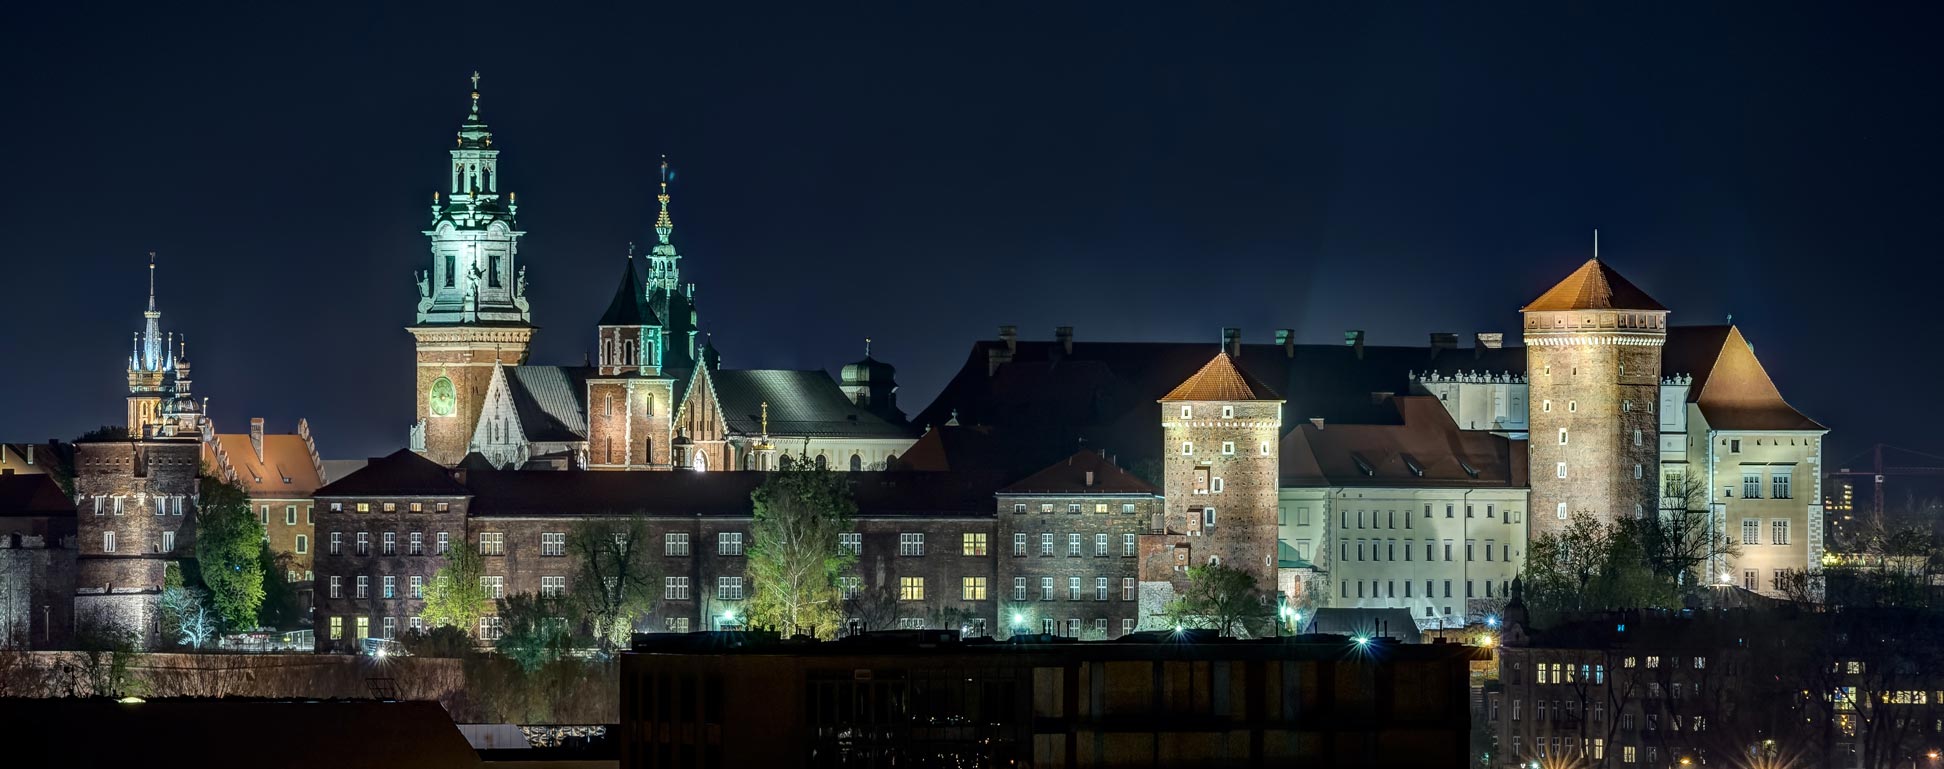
x,y
1044,515
1600,383
1234,445
347,564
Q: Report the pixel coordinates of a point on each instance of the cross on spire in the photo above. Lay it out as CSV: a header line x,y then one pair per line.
x,y
475,80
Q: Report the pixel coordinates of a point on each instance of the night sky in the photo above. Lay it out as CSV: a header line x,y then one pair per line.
x,y
921,174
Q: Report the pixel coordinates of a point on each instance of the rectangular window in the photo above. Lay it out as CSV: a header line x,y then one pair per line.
x,y
851,585
1046,588
1779,532
1073,545
1127,588
1128,547
303,544
1073,508
168,542
1470,545
1560,469
415,543
850,542
1073,588
417,584
490,628
1046,507
675,588
1561,511
1019,544
1779,483
1751,484
290,515
553,544
388,586
1019,507
1228,448
1303,516
911,588
911,544
337,587
1100,588
676,544
390,543
1127,626
729,543
495,587
1447,550
364,587
1751,531
729,588
974,544
337,628
364,543
972,588
1046,544
553,587
1100,545
1127,508
1187,448
492,543
1019,589
445,543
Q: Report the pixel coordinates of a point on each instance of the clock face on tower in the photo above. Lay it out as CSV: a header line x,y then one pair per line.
x,y
442,401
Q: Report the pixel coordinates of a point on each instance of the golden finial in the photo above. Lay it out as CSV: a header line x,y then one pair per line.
x,y
766,419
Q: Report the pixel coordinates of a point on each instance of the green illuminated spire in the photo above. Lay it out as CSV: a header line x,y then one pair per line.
x,y
475,276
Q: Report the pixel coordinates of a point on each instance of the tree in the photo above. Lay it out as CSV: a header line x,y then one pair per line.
x,y
454,596
228,541
438,641
187,615
614,577
1682,542
533,630
794,557
104,433
874,607
1592,565
1224,598
279,609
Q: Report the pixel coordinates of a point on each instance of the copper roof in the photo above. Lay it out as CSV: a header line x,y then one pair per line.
x,y
1086,472
1730,386
1221,380
1594,286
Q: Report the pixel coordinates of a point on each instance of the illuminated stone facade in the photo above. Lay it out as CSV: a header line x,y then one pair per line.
x,y
136,507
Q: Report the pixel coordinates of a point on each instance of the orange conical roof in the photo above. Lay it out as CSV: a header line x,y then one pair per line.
x,y
1221,380
1594,286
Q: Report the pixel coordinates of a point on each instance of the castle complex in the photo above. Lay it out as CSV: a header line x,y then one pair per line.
x,y
1057,486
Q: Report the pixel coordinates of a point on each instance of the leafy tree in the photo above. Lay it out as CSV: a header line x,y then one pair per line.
x,y
1224,598
439,641
279,609
615,580
534,630
187,616
1592,565
454,596
228,541
104,433
794,557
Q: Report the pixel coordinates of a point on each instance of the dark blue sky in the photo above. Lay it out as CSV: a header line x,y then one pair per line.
x,y
921,174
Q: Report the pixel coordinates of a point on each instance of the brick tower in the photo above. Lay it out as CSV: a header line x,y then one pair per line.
x,y
1220,432
629,400
135,494
472,309
1593,357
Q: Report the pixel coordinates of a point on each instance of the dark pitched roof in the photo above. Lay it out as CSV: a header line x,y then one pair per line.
x,y
718,493
1221,380
1375,623
401,473
33,495
302,735
801,403
1086,472
1730,386
630,304
1594,286
1427,449
551,401
954,447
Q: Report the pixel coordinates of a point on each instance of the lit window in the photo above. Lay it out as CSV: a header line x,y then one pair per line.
x,y
972,588
975,543
1187,448
911,588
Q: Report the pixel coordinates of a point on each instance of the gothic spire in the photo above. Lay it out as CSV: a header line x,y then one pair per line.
x,y
152,351
664,226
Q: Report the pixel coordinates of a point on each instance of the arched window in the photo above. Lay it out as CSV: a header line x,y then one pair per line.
x,y
700,462
857,463
648,450
786,461
822,463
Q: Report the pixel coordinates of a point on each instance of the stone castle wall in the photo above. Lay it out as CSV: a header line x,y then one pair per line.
x,y
1241,452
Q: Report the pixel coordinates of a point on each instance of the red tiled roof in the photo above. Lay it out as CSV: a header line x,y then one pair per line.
x,y
1730,386
287,470
1086,472
1221,380
1428,449
1594,286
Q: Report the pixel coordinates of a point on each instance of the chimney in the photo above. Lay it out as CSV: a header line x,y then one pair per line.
x,y
1443,340
1064,335
1354,338
1232,342
30,453
1287,338
1090,479
256,436
997,356
1317,422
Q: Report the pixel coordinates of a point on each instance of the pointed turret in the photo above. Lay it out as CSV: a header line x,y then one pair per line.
x,y
148,368
666,295
630,333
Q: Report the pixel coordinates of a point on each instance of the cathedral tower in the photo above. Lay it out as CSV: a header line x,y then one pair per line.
x,y
1220,441
1593,357
148,368
671,300
472,309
